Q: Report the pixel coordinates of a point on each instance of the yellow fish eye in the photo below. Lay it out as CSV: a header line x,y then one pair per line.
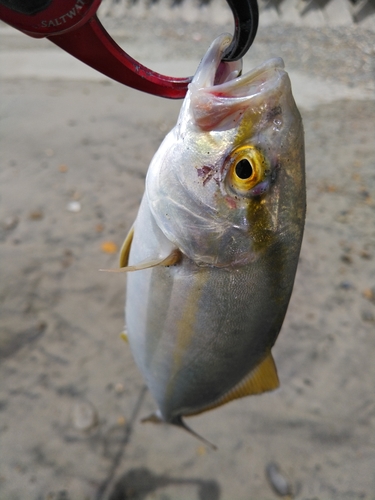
x,y
247,169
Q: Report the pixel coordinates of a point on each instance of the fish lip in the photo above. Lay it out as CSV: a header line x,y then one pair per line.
x,y
224,79
218,96
261,78
211,61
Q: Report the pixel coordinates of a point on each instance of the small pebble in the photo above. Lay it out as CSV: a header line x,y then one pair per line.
x,y
109,247
369,294
74,206
121,421
119,388
365,255
76,195
36,215
368,316
67,259
11,223
346,285
346,259
277,480
201,450
84,416
63,169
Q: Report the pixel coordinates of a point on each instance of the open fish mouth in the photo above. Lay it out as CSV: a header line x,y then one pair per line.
x,y
225,77
218,88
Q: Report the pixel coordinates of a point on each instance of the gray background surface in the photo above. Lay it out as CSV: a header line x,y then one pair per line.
x,y
70,394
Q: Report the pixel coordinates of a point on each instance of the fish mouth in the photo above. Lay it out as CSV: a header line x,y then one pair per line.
x,y
219,89
261,79
226,77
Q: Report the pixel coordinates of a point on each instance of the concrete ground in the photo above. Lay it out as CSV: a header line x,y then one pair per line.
x,y
75,149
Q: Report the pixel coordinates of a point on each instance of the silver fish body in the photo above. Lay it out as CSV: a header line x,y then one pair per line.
x,y
226,193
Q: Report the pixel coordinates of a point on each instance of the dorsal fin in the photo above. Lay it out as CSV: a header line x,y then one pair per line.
x,y
262,378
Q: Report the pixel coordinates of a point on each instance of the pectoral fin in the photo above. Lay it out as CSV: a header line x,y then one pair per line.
x,y
173,258
262,378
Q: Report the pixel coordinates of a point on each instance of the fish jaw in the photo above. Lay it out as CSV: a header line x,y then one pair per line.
x,y
187,184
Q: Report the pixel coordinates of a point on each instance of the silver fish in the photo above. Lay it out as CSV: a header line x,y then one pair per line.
x,y
217,238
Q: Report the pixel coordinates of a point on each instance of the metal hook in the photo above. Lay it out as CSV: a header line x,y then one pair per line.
x,y
74,26
246,18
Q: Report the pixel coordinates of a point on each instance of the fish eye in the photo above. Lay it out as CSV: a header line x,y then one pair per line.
x,y
244,169
248,167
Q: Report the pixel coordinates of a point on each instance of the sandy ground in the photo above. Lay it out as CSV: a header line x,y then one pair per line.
x,y
70,396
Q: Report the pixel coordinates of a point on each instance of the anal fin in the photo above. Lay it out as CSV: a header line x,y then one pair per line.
x,y
261,379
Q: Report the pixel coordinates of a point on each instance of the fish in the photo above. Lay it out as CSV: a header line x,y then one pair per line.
x,y
212,255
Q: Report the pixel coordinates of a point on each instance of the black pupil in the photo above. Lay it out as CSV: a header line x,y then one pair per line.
x,y
244,170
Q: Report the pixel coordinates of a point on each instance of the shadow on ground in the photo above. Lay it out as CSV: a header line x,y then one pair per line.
x,y
138,483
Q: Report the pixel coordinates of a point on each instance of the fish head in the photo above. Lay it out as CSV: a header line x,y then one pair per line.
x,y
229,175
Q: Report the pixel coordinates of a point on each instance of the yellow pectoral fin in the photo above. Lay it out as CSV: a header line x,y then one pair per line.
x,y
173,258
262,378
125,249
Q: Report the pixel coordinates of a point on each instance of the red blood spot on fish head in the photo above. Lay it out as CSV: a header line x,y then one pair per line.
x,y
206,173
230,202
